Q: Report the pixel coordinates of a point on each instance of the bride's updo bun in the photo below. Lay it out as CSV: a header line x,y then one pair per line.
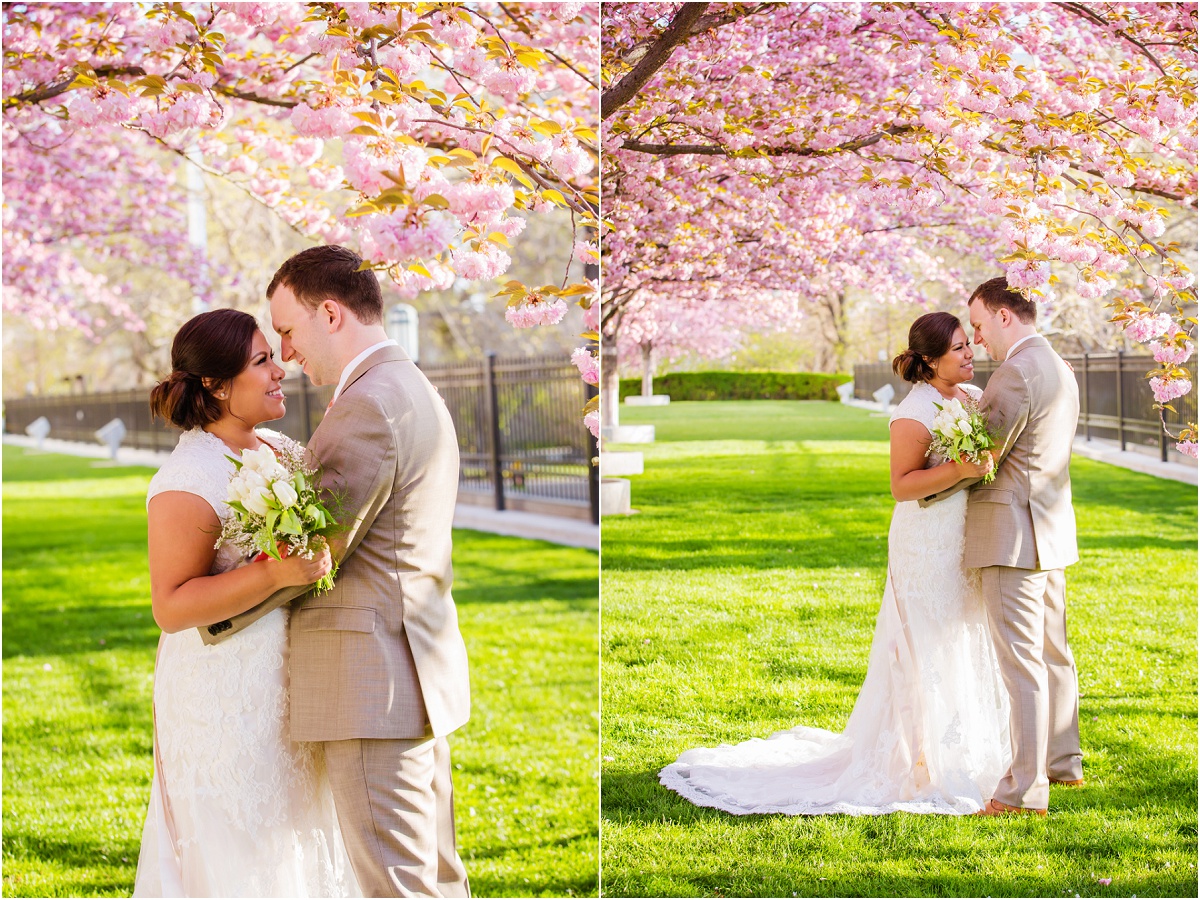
x,y
929,337
214,346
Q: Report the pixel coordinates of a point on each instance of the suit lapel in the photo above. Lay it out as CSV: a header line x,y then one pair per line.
x,y
382,355
1036,341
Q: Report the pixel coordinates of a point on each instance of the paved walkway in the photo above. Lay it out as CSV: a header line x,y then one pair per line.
x,y
1142,459
555,529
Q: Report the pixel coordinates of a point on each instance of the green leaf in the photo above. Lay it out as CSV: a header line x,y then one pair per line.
x,y
288,523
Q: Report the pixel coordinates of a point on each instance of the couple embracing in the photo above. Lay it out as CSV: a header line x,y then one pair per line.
x,y
300,740
970,702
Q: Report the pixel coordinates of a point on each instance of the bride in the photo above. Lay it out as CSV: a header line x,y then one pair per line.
x,y
236,809
929,731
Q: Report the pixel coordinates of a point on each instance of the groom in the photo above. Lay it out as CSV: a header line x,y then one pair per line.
x,y
1021,533
378,666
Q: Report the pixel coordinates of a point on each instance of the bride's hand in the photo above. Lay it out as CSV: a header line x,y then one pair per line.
x,y
296,570
968,469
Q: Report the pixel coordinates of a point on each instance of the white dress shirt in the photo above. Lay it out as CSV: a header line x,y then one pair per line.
x,y
354,362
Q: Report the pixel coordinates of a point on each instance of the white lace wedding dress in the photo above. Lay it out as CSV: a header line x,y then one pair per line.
x,y
236,808
929,731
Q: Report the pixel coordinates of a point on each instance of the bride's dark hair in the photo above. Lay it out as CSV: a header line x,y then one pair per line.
x,y
928,338
214,346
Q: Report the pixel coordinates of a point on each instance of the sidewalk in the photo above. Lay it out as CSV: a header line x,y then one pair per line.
x,y
556,530
1145,459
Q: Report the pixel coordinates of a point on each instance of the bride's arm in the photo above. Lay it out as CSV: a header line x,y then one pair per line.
x,y
910,479
182,530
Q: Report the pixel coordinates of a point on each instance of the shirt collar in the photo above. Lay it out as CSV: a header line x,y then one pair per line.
x,y
1013,348
350,366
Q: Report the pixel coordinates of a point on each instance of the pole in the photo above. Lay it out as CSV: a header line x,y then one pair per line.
x,y
1121,398
494,416
1087,418
593,462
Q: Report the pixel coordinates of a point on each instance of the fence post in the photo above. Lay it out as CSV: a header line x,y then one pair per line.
x,y
593,452
494,417
1087,418
1121,397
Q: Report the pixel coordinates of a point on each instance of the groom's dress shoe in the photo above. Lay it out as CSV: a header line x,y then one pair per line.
x,y
996,808
1075,782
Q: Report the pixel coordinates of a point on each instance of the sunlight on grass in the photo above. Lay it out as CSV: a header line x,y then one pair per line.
x,y
741,600
79,646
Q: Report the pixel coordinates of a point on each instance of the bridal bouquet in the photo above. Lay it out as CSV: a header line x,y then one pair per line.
x,y
960,430
275,500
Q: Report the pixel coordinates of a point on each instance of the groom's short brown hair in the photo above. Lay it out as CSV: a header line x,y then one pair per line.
x,y
331,272
995,293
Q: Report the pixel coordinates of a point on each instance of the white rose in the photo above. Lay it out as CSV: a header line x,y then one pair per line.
x,y
286,493
256,501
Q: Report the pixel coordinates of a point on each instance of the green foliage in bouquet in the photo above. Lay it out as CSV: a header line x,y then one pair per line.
x,y
960,431
276,500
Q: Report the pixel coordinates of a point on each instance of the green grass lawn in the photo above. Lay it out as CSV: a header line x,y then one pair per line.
x,y
79,646
741,600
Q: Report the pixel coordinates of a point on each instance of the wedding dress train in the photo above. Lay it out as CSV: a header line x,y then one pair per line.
x,y
929,730
236,808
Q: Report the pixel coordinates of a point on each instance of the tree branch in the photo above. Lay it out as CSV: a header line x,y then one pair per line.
x,y
1082,11
718,150
680,29
254,98
61,87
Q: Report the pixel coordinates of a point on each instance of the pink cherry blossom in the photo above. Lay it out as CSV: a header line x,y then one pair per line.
x,y
588,365
535,309
1167,389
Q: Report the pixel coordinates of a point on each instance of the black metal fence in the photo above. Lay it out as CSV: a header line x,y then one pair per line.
x,y
520,434
1115,403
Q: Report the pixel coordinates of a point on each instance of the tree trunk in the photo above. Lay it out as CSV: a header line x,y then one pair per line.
x,y
647,369
609,381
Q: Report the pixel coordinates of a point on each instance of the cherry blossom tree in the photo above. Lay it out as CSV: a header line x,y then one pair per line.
x,y
422,134
809,145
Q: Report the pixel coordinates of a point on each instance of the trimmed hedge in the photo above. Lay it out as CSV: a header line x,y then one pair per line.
x,y
741,386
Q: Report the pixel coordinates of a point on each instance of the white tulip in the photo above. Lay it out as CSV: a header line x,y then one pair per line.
x,y
285,493
256,501
964,425
275,472
252,479
235,490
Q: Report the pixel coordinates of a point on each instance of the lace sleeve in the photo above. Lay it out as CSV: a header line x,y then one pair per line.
x,y
196,466
918,406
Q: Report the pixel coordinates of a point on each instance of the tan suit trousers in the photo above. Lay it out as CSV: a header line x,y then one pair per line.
x,y
1028,621
387,793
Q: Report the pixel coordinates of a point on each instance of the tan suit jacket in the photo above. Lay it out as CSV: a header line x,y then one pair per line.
x,y
380,655
1024,518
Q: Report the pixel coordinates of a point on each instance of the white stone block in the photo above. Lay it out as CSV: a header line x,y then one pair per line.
x,y
629,434
38,429
111,435
614,497
652,400
621,462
